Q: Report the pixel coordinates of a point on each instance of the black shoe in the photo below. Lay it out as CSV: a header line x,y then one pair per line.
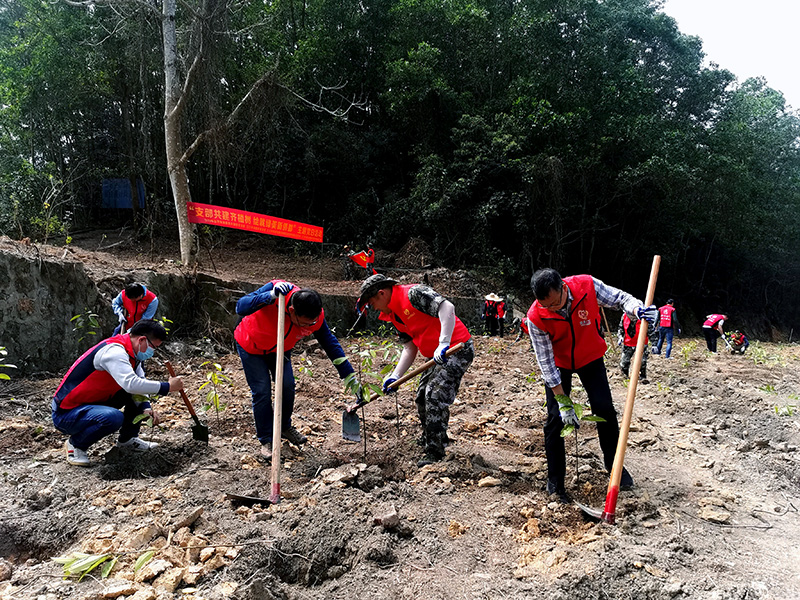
x,y
293,436
559,491
625,481
429,459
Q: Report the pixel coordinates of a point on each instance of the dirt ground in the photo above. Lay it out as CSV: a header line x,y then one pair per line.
x,y
713,515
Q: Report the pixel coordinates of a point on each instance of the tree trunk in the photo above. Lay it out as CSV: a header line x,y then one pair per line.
x,y
176,165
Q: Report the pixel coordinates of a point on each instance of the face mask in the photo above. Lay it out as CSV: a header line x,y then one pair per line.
x,y
143,356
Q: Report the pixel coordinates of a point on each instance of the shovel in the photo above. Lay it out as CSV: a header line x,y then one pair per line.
x,y
275,494
199,430
351,424
608,512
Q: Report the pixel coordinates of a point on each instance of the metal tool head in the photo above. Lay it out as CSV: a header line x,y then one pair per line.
x,y
351,426
200,432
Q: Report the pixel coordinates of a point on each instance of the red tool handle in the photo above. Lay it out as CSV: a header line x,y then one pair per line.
x,y
183,394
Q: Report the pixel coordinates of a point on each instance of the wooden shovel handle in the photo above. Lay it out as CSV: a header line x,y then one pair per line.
x,y
183,394
622,444
410,375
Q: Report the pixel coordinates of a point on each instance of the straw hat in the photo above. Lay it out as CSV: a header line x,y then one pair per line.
x,y
493,297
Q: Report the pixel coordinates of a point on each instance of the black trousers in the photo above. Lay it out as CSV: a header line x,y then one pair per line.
x,y
711,338
595,381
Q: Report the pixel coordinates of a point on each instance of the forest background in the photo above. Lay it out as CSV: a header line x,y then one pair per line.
x,y
508,135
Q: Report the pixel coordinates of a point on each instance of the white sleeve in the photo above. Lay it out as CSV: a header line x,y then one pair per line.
x,y
406,359
447,321
115,361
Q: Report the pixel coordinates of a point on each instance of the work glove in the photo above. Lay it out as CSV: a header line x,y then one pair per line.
x,y
568,416
283,288
648,313
439,355
679,331
387,382
122,318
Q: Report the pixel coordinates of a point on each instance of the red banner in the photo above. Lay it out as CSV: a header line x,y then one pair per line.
x,y
250,221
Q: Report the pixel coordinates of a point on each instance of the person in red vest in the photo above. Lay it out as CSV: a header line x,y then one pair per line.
x,y
501,316
133,303
95,397
564,324
428,325
627,336
667,326
491,313
256,343
712,329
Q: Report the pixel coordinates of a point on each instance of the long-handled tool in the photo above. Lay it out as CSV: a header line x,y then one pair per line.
x,y
351,424
199,430
275,494
607,514
727,343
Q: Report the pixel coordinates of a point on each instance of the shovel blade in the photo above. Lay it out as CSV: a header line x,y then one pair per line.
x,y
351,426
592,512
200,432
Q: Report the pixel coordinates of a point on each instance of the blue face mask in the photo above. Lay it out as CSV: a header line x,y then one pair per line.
x,y
143,356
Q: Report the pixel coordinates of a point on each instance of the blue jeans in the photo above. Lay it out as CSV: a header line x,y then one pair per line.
x,y
89,423
665,333
259,371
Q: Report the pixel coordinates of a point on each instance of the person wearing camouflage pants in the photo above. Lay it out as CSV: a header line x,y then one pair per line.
x,y
428,325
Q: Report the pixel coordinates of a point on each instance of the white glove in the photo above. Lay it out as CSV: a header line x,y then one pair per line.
x,y
283,288
122,318
568,416
648,313
439,355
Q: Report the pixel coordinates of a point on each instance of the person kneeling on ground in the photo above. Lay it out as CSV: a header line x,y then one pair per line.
x,y
256,342
428,324
95,398
739,342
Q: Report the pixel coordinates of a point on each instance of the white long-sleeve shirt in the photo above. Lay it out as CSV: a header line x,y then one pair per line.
x,y
113,359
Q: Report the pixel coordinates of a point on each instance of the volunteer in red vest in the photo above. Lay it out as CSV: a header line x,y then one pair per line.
x,y
501,316
133,303
564,324
256,342
490,313
428,325
627,336
667,326
712,329
95,398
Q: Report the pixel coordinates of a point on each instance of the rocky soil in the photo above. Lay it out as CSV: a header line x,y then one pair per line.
x,y
713,515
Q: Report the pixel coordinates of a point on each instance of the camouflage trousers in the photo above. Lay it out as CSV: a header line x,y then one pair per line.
x,y
437,390
627,357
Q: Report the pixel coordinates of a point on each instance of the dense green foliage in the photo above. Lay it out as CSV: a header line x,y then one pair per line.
x,y
582,134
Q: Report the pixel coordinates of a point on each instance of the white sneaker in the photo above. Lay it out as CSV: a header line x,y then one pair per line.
x,y
137,445
76,456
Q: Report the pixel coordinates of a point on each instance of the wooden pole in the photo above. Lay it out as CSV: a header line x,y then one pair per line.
x,y
622,444
275,494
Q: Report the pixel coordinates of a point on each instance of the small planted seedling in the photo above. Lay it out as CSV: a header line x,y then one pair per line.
x,y
686,352
3,364
216,379
85,324
786,411
79,564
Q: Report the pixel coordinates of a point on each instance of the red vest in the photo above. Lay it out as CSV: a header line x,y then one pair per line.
x,y
666,315
83,384
630,340
501,310
712,320
257,333
423,328
576,340
135,309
